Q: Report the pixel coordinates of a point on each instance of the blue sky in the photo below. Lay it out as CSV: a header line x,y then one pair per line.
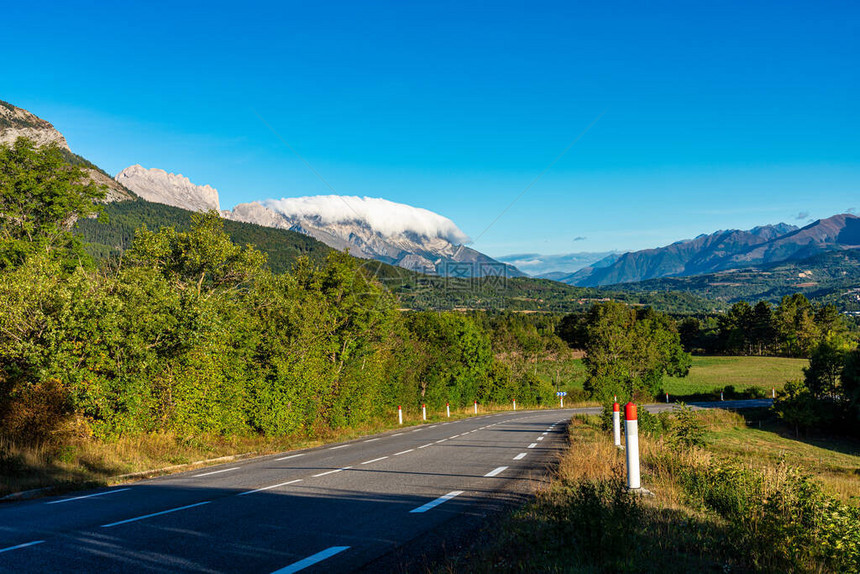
x,y
715,115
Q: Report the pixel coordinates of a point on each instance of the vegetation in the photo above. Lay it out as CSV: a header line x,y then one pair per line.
x,y
715,508
734,376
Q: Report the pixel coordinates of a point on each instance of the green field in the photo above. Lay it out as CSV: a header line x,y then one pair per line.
x,y
709,373
706,374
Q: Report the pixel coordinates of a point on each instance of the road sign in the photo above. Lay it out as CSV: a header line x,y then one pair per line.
x,y
561,394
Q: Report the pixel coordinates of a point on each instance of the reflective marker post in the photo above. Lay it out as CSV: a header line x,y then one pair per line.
x,y
515,404
616,424
400,414
631,430
424,411
448,409
476,407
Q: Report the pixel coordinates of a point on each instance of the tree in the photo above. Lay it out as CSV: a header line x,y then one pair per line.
x,y
628,351
41,197
823,375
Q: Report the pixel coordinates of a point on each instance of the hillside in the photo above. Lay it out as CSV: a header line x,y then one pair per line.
x,y
726,250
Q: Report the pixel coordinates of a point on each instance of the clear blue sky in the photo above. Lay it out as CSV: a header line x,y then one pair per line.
x,y
717,114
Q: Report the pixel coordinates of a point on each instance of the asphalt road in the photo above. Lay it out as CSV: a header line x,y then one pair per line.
x,y
371,504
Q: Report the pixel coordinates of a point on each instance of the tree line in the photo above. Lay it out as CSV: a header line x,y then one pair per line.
x,y
189,332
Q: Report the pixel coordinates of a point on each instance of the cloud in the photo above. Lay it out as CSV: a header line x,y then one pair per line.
x,y
386,217
580,238
851,210
802,215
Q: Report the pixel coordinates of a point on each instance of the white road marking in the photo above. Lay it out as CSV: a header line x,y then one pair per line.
x,y
332,471
443,440
397,434
539,438
520,456
269,487
545,433
432,427
311,560
145,516
416,430
435,503
215,472
426,445
403,452
496,471
337,447
532,445
291,456
26,544
374,460
371,439
87,496
455,436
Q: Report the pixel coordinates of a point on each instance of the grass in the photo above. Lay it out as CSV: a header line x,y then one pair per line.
x,y
709,373
740,503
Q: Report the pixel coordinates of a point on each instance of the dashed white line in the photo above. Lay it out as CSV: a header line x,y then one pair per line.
x,y
426,445
545,433
291,456
87,496
371,439
532,445
26,544
215,472
374,460
145,516
497,471
455,436
337,447
269,487
403,452
520,456
397,434
443,440
539,438
311,560
437,502
432,426
332,471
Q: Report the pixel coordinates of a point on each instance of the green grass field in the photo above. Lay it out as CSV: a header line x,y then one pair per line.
x,y
706,374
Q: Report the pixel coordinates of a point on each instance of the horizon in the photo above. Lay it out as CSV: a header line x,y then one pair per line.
x,y
678,121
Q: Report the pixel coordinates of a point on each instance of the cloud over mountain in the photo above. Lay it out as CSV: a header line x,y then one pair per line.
x,y
385,217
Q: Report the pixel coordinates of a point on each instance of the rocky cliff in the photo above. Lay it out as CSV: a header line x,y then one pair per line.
x,y
158,186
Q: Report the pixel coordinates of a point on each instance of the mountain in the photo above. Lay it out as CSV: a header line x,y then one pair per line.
x,y
16,122
725,250
555,266
158,186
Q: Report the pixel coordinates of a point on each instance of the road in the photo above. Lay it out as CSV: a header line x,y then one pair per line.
x,y
371,504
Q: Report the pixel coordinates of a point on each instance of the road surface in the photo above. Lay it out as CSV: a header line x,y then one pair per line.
x,y
373,504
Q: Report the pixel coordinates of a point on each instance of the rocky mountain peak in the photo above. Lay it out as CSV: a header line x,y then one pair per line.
x,y
158,186
16,122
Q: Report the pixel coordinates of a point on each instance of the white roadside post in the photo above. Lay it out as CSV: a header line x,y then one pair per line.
x,y
667,397
721,395
616,424
400,414
561,401
773,392
515,404
476,407
424,411
631,431
448,409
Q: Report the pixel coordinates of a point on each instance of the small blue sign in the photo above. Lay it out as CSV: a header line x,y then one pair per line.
x,y
561,394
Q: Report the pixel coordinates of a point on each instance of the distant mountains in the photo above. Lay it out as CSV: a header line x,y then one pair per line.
x,y
725,250
557,266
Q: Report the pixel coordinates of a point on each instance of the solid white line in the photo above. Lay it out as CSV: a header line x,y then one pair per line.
x,y
154,514
311,560
496,471
371,439
337,447
291,456
426,445
87,496
416,430
26,544
269,487
215,472
532,445
435,503
432,427
375,460
397,434
331,471
403,452
520,456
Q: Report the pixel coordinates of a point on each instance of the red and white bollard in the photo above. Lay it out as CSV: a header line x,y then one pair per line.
x,y
424,411
515,404
448,409
667,397
773,392
616,424
631,433
561,401
476,407
400,414
721,395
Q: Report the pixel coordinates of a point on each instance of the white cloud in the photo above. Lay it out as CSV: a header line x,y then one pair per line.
x,y
386,217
